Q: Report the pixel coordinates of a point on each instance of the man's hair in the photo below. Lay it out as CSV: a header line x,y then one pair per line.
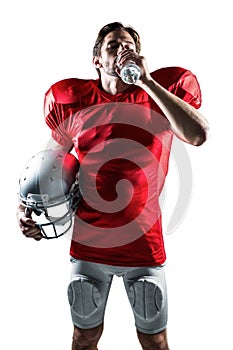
x,y
110,28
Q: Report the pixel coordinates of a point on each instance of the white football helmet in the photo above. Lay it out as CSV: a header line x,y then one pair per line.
x,y
50,192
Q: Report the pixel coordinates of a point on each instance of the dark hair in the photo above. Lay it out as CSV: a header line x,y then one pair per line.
x,y
110,28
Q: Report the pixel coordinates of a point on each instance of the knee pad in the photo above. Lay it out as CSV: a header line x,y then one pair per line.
x,y
146,297
84,299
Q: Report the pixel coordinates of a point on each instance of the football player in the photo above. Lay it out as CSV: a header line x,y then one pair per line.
x,y
122,135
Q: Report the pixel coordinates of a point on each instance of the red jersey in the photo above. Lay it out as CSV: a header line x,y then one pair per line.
x,y
123,143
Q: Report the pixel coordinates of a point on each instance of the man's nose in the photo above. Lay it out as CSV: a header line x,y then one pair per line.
x,y
122,47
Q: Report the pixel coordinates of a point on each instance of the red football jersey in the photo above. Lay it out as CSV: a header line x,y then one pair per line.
x,y
123,143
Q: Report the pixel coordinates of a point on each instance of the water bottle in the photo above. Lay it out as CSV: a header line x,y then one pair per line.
x,y
130,72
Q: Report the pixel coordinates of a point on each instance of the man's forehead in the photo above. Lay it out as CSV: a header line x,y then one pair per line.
x,y
118,35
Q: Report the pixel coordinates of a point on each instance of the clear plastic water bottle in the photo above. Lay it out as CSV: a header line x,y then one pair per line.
x,y
130,73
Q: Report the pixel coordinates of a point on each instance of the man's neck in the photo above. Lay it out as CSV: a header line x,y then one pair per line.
x,y
112,85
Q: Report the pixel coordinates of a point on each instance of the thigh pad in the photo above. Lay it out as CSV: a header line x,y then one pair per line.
x,y
87,298
83,296
146,297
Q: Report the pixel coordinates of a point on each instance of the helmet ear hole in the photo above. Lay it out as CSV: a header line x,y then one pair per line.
x,y
49,182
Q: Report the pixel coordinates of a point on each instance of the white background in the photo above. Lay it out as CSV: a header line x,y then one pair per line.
x,y
45,41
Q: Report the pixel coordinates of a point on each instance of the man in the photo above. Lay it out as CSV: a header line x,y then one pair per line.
x,y
120,132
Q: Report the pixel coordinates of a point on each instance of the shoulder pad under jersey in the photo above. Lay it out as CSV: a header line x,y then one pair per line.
x,y
70,90
168,76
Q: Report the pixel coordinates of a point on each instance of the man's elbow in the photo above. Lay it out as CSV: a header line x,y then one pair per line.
x,y
201,137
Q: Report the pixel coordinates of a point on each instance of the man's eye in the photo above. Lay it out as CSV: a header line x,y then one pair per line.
x,y
113,46
129,46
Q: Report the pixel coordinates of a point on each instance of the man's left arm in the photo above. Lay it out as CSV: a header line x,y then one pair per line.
x,y
185,121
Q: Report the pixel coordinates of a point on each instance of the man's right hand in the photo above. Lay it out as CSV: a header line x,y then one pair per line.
x,y
27,225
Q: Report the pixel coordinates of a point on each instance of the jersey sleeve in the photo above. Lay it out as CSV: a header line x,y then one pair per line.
x,y
54,119
188,89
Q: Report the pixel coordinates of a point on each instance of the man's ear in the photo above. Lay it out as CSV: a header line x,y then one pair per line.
x,y
96,62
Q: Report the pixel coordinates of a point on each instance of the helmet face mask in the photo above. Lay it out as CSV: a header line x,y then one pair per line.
x,y
54,221
50,192
56,225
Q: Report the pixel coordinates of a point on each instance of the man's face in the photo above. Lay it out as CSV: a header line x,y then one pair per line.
x,y
113,44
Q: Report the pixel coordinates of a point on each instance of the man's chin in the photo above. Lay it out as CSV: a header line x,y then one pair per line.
x,y
113,73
